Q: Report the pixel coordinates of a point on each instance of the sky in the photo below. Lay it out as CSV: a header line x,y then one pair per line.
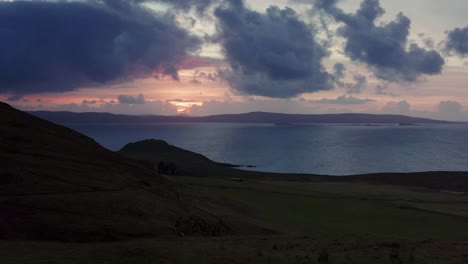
x,y
205,57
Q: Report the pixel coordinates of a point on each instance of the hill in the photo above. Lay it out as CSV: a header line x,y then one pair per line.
x,y
254,117
56,184
188,163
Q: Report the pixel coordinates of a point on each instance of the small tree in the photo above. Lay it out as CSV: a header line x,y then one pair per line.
x,y
172,168
161,167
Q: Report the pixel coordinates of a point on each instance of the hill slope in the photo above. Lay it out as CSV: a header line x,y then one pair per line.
x,y
185,162
56,184
33,149
188,163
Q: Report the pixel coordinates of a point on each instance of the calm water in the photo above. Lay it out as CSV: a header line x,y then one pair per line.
x,y
322,149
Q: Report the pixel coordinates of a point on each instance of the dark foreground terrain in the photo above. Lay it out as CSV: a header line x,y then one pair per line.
x,y
65,199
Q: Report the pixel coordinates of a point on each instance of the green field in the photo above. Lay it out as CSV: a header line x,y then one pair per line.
x,y
236,250
350,222
65,199
341,209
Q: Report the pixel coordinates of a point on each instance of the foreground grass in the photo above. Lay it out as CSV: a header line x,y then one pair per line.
x,y
272,249
337,209
331,222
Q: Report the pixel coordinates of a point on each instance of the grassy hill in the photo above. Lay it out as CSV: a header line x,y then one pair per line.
x,y
65,199
56,184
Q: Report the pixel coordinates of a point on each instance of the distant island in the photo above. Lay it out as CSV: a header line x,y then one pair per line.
x,y
254,117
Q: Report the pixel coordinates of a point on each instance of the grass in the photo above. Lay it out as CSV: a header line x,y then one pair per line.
x,y
272,249
58,185
348,222
337,209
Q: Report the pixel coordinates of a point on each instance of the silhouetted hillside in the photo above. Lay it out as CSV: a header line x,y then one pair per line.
x,y
186,163
193,164
56,184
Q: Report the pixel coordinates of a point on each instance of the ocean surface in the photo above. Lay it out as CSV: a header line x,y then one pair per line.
x,y
320,149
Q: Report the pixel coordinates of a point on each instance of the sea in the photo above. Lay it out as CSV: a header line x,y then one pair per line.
x,y
331,149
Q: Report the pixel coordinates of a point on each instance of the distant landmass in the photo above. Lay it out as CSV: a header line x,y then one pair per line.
x,y
254,117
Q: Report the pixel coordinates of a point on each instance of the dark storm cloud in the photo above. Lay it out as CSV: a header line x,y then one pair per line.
x,y
382,47
127,99
274,54
457,41
60,46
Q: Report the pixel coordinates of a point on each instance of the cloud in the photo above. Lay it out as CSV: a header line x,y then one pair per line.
x,y
60,46
360,82
345,100
452,107
149,107
457,41
15,98
193,62
199,76
272,54
451,110
127,99
427,41
89,102
339,71
401,108
199,6
384,47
